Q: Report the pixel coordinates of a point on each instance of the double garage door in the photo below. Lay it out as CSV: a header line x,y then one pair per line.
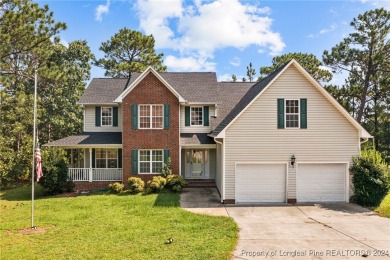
x,y
262,183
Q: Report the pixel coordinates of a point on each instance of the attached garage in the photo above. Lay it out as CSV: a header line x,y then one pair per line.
x,y
260,183
322,182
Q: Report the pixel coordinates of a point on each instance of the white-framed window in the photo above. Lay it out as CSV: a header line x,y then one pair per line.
x,y
292,113
106,116
150,161
106,158
196,116
151,116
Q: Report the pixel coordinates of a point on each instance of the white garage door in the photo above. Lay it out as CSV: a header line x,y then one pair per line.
x,y
321,182
260,183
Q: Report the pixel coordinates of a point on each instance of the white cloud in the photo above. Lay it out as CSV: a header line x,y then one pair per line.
x,y
64,42
235,61
204,27
333,12
102,9
195,62
378,4
331,28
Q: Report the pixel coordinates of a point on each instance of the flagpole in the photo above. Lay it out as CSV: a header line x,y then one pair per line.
x,y
33,157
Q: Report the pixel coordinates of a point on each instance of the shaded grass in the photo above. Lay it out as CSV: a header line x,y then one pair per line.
x,y
384,208
111,227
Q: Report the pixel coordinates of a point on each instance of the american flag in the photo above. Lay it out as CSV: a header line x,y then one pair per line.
x,y
39,160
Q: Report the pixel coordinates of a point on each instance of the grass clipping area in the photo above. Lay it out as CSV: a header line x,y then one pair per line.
x,y
104,226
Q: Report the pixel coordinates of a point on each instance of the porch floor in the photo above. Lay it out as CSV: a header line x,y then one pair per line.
x,y
201,183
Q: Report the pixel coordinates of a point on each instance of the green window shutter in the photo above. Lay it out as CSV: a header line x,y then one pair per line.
x,y
303,113
206,116
280,113
167,116
134,116
119,158
166,155
187,119
93,157
97,116
134,161
115,116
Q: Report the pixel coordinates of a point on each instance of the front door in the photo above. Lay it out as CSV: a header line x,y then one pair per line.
x,y
197,164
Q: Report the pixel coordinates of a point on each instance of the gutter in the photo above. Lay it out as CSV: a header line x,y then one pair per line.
x,y
222,168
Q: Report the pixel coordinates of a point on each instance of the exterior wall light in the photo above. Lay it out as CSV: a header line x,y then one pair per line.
x,y
292,160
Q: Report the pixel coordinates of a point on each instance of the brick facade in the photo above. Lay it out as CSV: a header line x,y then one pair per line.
x,y
150,91
85,185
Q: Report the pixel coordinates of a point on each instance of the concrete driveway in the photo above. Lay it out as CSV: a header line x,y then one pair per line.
x,y
311,231
320,231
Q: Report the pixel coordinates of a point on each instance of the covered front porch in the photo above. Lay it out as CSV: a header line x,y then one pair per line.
x,y
93,157
198,157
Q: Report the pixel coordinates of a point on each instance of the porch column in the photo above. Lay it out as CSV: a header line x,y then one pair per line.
x,y
71,158
90,164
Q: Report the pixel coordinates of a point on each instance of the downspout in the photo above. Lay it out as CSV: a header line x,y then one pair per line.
x,y
222,169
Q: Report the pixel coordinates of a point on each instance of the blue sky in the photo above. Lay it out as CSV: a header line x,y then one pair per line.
x,y
215,35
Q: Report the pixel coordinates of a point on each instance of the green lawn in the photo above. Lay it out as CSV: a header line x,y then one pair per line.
x,y
104,226
384,208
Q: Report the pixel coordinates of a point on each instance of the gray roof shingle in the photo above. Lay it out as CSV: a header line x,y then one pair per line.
x,y
186,139
89,138
245,100
192,86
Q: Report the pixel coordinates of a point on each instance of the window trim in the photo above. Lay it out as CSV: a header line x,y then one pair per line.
x,y
150,116
101,116
298,113
106,158
150,161
191,107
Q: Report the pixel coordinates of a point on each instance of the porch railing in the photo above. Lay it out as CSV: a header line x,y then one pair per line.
x,y
95,174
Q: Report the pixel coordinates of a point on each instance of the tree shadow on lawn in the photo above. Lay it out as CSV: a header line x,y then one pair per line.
x,y
21,193
167,199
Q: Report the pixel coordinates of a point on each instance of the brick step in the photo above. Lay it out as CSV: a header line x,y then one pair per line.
x,y
201,184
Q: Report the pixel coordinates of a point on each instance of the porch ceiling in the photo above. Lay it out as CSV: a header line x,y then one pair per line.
x,y
89,139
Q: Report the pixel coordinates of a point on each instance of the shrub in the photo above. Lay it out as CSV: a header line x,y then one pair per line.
x,y
55,178
155,185
166,170
175,183
369,181
115,187
136,185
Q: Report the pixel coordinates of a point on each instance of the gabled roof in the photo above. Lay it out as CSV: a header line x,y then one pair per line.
x,y
259,88
141,77
89,139
195,87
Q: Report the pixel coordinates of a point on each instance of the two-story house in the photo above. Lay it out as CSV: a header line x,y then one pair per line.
x,y
283,139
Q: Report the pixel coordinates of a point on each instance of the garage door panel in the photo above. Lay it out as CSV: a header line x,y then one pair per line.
x,y
260,183
321,182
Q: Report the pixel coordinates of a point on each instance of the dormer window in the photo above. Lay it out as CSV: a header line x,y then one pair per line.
x,y
196,116
106,116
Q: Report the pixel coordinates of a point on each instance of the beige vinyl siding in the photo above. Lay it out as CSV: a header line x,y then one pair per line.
x,y
195,129
218,172
254,136
89,121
